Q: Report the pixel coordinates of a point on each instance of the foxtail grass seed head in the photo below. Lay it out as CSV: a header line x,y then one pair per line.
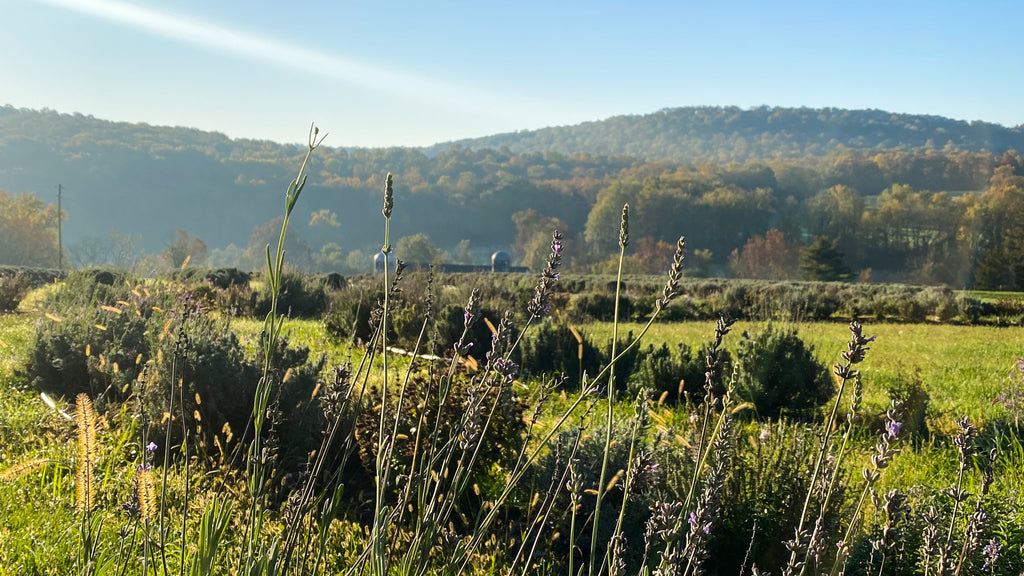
x,y
624,227
88,452
145,491
23,469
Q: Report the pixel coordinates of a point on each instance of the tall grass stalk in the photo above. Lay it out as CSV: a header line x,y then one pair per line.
x,y
259,557
623,242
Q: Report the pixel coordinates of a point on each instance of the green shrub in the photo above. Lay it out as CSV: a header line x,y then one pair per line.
x,y
587,467
12,290
675,373
779,374
218,385
551,347
349,315
911,311
946,307
92,287
766,484
299,298
422,410
218,381
95,349
912,394
599,306
219,278
236,300
451,321
91,350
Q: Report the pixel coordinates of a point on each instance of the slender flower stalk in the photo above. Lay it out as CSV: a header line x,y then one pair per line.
x,y
623,242
379,560
856,350
885,450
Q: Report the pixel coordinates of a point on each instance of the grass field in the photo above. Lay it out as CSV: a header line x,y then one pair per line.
x,y
962,367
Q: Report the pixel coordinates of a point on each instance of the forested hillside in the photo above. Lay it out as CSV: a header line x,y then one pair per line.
x,y
947,212
731,134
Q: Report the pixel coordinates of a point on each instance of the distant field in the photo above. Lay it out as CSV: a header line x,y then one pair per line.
x,y
991,296
963,367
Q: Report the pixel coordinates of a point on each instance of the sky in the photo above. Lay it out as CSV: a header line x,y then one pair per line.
x,y
382,73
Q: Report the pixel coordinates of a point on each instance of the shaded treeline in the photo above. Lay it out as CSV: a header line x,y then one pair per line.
x,y
919,213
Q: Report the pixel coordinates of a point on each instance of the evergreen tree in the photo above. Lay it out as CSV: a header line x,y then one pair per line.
x,y
823,261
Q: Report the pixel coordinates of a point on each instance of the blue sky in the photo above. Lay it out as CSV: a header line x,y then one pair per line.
x,y
415,73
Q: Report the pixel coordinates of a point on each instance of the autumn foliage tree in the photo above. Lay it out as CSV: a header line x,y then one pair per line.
x,y
28,231
771,257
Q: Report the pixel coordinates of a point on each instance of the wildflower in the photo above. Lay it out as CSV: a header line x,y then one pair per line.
x,y
644,471
893,428
675,273
991,553
538,306
151,447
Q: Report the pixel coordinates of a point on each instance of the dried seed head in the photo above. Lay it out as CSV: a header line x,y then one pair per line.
x,y
539,306
88,452
145,491
675,273
389,197
23,469
624,227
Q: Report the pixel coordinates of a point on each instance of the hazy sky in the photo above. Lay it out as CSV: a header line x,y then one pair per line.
x,y
376,73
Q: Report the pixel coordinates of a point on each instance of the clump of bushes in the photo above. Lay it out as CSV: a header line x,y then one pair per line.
x,y
912,394
552,347
134,348
12,290
674,374
434,410
779,375
299,298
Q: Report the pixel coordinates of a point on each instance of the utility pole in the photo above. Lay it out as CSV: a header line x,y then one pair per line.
x,y
60,238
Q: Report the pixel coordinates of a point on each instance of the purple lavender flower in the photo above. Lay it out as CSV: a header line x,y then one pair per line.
x,y
893,428
991,553
151,447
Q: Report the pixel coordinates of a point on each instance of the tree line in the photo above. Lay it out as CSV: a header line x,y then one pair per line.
x,y
141,196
